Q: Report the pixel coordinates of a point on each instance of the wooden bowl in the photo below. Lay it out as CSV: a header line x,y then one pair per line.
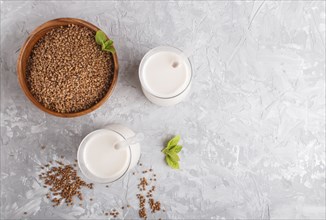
x,y
27,48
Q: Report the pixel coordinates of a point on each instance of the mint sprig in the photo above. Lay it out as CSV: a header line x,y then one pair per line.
x,y
171,152
106,44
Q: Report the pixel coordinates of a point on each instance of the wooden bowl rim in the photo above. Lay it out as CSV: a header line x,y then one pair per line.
x,y
22,76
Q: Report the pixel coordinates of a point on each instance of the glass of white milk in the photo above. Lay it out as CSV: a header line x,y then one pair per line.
x,y
165,75
100,161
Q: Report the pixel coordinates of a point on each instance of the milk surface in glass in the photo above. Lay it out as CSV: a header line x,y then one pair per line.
x,y
101,158
166,74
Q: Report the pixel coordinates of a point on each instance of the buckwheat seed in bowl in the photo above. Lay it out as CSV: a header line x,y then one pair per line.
x,y
67,71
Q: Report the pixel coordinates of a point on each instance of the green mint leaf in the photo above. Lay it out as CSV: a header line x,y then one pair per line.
x,y
171,152
109,49
173,142
100,37
174,156
171,163
165,150
176,149
103,46
107,44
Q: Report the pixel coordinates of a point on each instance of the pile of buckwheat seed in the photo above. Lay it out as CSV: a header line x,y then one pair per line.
x,y
67,71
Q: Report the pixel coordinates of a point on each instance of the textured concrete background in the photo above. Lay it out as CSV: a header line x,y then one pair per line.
x,y
253,127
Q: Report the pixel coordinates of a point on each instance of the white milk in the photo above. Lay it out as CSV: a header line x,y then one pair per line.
x,y
102,159
165,75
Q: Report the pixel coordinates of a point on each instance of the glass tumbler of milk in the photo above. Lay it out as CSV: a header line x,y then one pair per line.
x,y
165,75
98,158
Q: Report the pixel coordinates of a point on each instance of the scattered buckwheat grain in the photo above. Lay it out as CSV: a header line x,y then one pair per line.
x,y
64,183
